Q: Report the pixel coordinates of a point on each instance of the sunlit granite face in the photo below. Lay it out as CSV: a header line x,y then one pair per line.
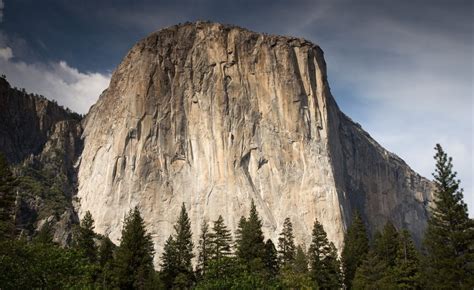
x,y
214,116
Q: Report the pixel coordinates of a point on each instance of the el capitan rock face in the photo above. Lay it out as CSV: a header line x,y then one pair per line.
x,y
214,116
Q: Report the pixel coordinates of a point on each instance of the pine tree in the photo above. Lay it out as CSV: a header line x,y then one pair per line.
x,y
220,248
85,238
301,261
105,260
7,200
376,271
356,246
184,244
334,268
386,245
250,240
323,260
449,239
239,233
221,240
371,274
134,257
271,259
176,259
406,271
169,263
286,244
204,249
106,251
296,275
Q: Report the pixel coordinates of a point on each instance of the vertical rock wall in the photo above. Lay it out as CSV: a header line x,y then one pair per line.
x,y
214,116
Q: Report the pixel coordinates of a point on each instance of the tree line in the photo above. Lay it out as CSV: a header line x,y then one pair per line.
x,y
388,260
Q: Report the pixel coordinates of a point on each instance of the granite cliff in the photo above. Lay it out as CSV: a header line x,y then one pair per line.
x,y
42,141
214,116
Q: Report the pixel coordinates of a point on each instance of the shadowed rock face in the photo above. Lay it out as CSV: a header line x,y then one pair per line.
x,y
214,116
27,123
42,141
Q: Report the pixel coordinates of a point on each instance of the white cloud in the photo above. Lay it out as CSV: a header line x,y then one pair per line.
x,y
416,87
405,74
68,86
6,53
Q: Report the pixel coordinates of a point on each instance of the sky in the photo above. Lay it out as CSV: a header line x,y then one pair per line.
x,y
402,69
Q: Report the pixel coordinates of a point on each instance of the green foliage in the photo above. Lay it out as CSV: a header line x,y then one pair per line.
x,y
386,245
204,248
7,200
296,275
250,239
271,259
134,257
169,263
44,235
85,238
43,189
392,263
106,251
286,244
106,263
220,242
300,264
372,273
325,268
449,239
356,246
406,271
232,273
41,265
176,260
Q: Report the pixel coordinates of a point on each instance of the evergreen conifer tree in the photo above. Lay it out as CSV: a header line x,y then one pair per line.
x,y
449,238
220,248
7,200
106,251
204,248
371,274
134,256
386,245
184,244
286,244
406,271
301,261
323,260
376,271
356,246
296,275
169,263
221,240
271,259
105,260
250,240
334,268
85,238
176,259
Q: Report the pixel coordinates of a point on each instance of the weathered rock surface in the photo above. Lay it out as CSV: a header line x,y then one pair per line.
x,y
27,121
42,141
214,116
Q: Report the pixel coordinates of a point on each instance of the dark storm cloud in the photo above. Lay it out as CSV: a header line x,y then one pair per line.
x,y
403,69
